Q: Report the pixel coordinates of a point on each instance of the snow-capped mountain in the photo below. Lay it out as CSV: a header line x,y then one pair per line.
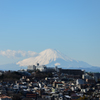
x,y
45,57
51,58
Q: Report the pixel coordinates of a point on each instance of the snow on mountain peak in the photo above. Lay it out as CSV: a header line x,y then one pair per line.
x,y
45,57
54,54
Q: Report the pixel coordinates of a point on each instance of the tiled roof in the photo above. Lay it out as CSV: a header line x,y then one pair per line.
x,y
5,97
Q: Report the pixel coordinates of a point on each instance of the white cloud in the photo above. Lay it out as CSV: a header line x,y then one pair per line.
x,y
17,54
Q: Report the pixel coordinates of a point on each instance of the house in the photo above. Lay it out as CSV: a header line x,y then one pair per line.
x,y
5,98
31,95
2,90
97,75
86,76
79,82
57,84
90,81
67,97
74,96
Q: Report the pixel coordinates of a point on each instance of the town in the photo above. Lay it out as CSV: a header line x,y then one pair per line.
x,y
48,83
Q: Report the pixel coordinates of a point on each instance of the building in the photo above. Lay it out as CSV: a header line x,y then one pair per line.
x,y
31,67
79,82
74,72
42,68
5,98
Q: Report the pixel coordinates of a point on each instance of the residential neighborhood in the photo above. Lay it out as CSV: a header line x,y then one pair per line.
x,y
58,84
49,49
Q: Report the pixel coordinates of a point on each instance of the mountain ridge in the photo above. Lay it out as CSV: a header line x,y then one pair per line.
x,y
45,57
52,58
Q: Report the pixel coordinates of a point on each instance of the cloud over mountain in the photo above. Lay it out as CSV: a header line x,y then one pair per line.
x,y
17,54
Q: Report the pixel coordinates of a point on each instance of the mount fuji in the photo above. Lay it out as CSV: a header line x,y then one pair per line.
x,y
51,58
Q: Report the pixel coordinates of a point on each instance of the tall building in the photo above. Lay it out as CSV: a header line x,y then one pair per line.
x,y
42,68
31,67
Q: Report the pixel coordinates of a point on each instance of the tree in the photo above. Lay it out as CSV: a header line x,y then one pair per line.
x,y
83,98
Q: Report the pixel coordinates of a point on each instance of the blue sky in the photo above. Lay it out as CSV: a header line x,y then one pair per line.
x,y
70,26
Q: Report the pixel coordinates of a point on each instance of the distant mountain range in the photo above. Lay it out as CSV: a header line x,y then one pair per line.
x,y
52,58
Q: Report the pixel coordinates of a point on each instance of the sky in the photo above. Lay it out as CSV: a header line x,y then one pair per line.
x,y
28,27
